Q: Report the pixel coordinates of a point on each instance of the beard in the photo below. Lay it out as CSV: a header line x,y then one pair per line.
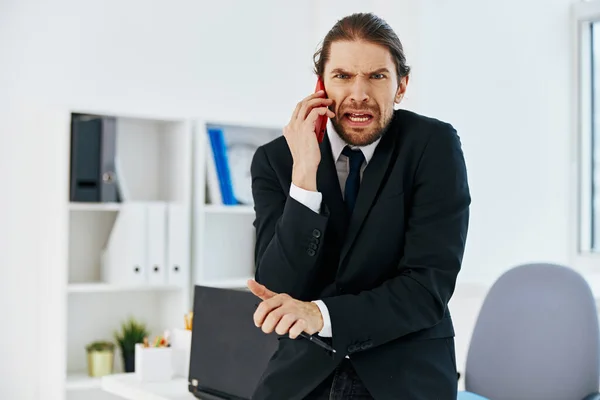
x,y
362,136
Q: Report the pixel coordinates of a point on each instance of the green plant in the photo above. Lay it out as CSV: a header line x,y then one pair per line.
x,y
131,333
100,345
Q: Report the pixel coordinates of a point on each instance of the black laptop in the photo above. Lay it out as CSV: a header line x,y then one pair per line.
x,y
229,353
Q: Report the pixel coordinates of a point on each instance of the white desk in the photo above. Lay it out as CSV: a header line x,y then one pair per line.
x,y
130,388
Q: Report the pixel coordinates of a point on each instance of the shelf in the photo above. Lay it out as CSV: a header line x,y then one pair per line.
x,y
153,160
235,283
99,287
221,209
94,206
81,381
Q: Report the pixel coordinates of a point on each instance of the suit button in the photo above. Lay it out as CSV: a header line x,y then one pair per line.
x,y
352,348
310,252
312,246
316,233
314,240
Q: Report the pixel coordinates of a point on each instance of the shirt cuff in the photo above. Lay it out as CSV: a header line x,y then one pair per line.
x,y
308,198
326,331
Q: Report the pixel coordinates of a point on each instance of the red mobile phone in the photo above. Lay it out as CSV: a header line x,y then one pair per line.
x,y
322,119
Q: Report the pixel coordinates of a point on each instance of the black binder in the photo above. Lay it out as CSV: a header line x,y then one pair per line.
x,y
93,152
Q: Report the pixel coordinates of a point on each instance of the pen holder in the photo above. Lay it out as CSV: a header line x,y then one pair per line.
x,y
181,343
153,364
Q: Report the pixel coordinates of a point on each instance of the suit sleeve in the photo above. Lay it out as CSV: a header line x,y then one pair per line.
x,y
289,235
417,297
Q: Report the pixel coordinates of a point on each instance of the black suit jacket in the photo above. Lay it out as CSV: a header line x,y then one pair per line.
x,y
386,273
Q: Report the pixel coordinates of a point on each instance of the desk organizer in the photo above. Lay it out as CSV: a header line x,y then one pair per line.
x,y
181,343
153,364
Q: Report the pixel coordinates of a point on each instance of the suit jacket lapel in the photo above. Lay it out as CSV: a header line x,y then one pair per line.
x,y
373,177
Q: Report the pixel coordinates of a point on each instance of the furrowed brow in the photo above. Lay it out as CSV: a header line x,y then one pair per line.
x,y
380,71
340,71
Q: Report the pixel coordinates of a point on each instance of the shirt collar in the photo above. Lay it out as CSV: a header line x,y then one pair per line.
x,y
338,144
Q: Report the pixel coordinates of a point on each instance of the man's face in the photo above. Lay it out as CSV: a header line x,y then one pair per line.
x,y
361,80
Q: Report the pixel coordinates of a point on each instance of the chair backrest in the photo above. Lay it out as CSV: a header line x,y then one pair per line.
x,y
536,337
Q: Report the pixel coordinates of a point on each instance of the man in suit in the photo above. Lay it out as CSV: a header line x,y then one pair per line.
x,y
359,239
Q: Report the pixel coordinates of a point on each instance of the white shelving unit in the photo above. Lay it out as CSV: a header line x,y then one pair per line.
x,y
94,206
155,154
162,160
107,288
224,236
228,210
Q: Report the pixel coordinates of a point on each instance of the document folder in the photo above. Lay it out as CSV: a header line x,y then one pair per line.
x,y
156,243
93,150
178,244
124,259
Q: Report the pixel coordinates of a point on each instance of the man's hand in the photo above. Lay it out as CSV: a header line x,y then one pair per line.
x,y
302,141
283,314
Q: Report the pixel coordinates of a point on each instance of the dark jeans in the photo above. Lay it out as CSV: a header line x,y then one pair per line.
x,y
343,384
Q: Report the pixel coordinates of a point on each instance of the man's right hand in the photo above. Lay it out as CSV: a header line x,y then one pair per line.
x,y
302,140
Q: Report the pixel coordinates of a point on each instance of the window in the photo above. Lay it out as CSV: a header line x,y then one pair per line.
x,y
594,133
587,104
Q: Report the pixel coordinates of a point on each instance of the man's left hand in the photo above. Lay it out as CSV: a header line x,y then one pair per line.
x,y
283,314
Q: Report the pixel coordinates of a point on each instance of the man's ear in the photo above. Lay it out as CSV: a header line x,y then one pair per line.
x,y
401,89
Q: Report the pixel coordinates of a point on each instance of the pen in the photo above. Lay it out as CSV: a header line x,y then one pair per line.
x,y
317,341
314,339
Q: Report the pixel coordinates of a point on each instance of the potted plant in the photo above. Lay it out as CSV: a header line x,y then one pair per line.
x,y
131,333
100,358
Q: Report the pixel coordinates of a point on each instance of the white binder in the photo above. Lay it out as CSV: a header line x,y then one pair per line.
x,y
178,245
156,229
123,260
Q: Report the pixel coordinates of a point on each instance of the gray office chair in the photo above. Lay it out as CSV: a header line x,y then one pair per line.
x,y
536,338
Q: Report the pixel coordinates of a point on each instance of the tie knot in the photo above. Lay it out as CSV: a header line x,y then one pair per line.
x,y
356,156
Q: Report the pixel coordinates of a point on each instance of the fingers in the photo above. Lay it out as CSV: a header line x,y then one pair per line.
x,y
267,307
316,112
272,320
301,104
259,290
310,105
282,314
298,327
296,112
285,323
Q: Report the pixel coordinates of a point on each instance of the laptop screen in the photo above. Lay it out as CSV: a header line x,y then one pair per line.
x,y
229,353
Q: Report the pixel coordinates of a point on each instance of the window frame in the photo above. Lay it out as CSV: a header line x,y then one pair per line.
x,y
581,221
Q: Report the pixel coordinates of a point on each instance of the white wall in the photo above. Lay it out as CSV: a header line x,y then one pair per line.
x,y
499,71
19,265
169,57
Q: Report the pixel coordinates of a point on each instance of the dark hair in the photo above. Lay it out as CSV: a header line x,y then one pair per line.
x,y
367,27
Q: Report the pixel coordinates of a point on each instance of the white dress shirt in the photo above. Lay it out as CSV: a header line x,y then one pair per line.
x,y
313,200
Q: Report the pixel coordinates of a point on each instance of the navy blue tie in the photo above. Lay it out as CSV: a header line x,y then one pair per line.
x,y
356,158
